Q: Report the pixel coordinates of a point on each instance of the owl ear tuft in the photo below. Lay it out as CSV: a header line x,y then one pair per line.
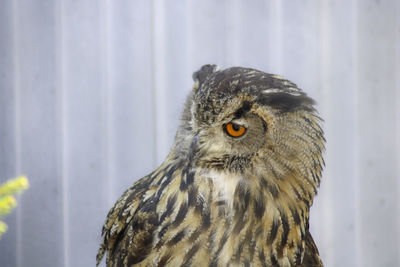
x,y
201,75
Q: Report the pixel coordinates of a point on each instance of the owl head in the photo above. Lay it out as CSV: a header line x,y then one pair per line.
x,y
242,120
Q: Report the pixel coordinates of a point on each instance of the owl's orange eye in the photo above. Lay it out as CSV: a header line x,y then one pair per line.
x,y
234,130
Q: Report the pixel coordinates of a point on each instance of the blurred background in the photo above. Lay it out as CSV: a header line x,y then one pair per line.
x,y
91,93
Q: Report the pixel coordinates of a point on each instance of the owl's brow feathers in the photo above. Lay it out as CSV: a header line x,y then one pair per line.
x,y
246,106
264,89
286,102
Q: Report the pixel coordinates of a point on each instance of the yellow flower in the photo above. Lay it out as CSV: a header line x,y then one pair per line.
x,y
14,186
7,200
7,203
3,228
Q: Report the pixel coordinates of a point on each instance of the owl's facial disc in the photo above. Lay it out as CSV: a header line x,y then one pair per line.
x,y
244,135
231,142
237,115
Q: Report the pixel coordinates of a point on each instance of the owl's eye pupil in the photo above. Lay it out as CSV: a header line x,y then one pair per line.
x,y
234,129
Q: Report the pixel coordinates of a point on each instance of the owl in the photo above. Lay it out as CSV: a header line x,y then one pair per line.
x,y
237,185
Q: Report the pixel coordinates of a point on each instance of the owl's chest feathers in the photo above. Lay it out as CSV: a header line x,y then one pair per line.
x,y
234,222
258,222
223,186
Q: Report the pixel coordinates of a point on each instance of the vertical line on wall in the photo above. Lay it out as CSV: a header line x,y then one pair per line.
x,y
325,84
232,21
158,81
355,87
397,134
107,96
17,130
62,116
188,42
277,40
153,83
355,76
189,36
62,124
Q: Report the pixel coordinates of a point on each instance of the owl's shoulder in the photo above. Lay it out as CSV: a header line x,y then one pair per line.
x,y
311,254
133,218
121,214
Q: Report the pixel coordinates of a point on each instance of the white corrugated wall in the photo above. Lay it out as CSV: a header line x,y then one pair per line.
x,y
91,92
